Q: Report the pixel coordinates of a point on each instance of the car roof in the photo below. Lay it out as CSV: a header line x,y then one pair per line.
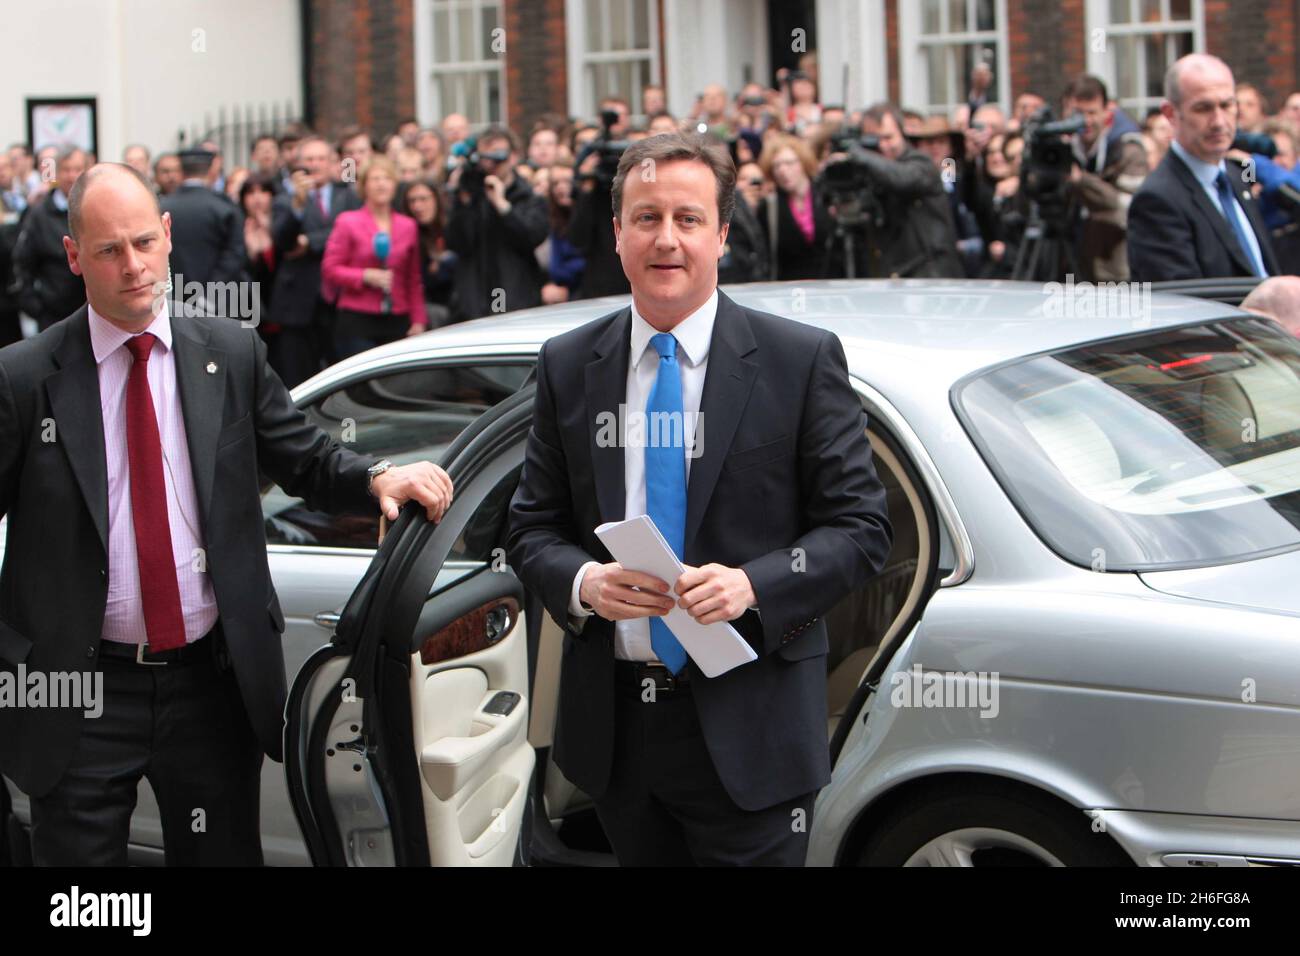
x,y
891,328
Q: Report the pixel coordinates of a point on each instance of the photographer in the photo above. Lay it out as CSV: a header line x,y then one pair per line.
x,y
1111,164
495,223
913,233
591,228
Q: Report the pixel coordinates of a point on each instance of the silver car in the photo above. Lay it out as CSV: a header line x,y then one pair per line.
x,y
1082,649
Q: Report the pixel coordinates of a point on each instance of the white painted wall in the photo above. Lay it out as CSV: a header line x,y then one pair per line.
x,y
151,72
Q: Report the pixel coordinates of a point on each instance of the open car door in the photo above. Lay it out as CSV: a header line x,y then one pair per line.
x,y
406,737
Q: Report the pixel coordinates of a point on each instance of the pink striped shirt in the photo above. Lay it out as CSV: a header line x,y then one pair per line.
x,y
124,615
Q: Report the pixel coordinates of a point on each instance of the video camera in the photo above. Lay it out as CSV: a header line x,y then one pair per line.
x,y
609,149
847,185
468,158
1048,157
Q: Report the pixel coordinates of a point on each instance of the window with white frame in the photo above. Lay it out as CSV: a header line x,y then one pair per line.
x,y
465,74
1131,43
940,42
613,50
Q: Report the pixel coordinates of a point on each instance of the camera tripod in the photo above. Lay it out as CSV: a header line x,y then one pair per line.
x,y
1044,249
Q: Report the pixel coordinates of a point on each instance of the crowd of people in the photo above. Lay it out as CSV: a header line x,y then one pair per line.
x,y
355,240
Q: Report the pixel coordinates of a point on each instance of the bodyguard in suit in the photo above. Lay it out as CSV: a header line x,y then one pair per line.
x,y
131,444
1195,216
777,514
207,228
301,220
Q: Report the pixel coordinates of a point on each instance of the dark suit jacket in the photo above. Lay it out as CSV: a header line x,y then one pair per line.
x,y
207,235
47,288
786,464
298,280
239,421
1175,232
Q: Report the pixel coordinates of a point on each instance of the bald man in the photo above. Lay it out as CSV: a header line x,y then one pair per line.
x,y
1195,216
131,444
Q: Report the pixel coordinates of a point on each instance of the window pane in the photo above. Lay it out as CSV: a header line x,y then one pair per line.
x,y
930,16
936,74
489,20
956,16
1156,65
641,24
1150,11
474,105
618,24
1125,67
1119,11
985,15
1180,9
464,34
595,12
441,37
1182,45
494,114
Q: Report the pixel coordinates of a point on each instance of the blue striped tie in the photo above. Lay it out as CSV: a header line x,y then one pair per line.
x,y
665,477
1229,203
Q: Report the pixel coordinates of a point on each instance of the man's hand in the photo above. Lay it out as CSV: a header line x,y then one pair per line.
x,y
617,594
495,190
302,184
421,481
714,593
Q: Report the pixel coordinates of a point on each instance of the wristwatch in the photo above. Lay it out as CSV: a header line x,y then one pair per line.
x,y
374,471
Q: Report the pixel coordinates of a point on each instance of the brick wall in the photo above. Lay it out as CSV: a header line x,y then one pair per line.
x,y
1047,44
362,64
536,77
1257,38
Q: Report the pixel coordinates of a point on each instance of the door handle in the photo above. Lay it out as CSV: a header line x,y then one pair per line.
x,y
327,619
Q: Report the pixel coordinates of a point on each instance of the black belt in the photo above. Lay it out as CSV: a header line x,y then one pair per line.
x,y
635,673
203,649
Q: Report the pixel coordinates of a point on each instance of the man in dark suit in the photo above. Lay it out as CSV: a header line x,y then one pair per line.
x,y
46,290
301,221
207,228
131,444
1195,216
779,517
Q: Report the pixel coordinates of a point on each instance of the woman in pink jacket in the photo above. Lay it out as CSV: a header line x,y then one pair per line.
x,y
373,259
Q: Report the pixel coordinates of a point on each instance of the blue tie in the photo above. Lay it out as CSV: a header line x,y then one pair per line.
x,y
665,477
1229,203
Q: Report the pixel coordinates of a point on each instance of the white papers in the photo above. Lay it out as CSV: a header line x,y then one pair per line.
x,y
637,545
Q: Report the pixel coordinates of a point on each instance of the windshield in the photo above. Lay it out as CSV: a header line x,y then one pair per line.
x,y
1173,448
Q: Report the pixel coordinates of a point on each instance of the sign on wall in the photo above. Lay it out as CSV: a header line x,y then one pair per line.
x,y
63,121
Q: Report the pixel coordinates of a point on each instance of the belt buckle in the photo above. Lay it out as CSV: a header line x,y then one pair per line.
x,y
667,682
139,656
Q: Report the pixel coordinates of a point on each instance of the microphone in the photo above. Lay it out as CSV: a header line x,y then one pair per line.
x,y
382,246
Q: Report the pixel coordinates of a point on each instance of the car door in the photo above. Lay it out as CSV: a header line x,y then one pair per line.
x,y
406,737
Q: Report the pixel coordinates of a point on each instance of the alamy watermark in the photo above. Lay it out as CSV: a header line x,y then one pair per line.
x,y
634,428
77,690
916,687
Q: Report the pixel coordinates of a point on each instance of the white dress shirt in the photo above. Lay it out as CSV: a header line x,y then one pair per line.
x,y
693,334
1206,174
124,613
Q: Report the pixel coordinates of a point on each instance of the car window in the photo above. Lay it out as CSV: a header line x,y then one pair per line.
x,y
1172,448
406,416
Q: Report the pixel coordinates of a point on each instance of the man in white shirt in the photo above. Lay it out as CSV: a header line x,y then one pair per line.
x,y
768,497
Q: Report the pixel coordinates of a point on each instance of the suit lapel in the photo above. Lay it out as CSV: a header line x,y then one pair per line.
x,y
606,390
727,384
1227,235
202,394
1251,207
73,392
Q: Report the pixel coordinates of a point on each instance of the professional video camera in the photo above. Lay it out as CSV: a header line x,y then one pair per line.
x,y
466,156
1048,156
609,149
1045,254
849,193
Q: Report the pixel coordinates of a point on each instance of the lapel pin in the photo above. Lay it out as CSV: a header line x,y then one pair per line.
x,y
212,368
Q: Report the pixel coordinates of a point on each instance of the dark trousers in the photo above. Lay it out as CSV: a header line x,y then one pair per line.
x,y
295,354
184,728
666,806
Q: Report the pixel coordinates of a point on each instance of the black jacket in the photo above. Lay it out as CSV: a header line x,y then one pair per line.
x,y
497,252
47,289
792,256
787,441
1176,232
239,422
297,277
591,230
207,235
745,258
918,238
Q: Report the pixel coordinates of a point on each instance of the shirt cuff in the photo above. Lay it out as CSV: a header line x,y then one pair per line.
x,y
575,606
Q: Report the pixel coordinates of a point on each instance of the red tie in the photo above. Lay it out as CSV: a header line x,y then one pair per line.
x,y
161,596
